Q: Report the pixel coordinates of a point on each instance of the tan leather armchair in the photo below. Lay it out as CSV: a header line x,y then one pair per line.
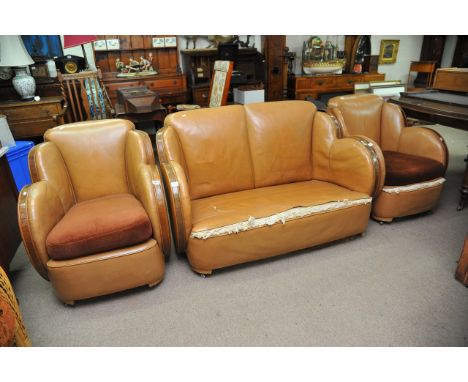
x,y
255,181
95,221
416,158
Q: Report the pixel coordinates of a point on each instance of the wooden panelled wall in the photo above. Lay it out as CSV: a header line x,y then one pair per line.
x,y
165,60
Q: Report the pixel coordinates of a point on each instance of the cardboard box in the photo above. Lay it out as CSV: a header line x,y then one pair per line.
x,y
249,96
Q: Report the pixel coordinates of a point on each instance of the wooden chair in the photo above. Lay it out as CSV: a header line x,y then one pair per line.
x,y
427,67
86,96
219,87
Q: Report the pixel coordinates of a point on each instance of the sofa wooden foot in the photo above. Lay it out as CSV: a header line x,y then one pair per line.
x,y
152,285
382,220
69,303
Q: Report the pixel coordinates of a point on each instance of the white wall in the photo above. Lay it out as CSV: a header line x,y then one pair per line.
x,y
449,51
409,50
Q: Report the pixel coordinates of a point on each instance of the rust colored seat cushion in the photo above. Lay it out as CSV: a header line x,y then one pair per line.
x,y
403,169
99,225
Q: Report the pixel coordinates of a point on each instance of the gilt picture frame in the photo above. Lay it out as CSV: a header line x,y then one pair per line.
x,y
388,51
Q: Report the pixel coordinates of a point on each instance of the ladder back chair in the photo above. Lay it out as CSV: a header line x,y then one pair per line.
x,y
86,96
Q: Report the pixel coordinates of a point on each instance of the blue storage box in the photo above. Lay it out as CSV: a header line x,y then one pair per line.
x,y
18,159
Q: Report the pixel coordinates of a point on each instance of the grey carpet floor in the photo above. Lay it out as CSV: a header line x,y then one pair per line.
x,y
394,286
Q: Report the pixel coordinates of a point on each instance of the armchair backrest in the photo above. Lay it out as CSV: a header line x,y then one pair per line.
x,y
359,114
234,148
85,159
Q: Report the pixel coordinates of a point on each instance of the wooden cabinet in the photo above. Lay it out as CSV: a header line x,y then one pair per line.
x,y
169,83
300,87
33,118
10,237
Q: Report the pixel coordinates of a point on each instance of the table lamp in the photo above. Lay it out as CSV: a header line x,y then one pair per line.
x,y
70,41
14,54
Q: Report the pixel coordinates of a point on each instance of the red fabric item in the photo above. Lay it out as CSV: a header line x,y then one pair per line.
x,y
75,40
99,225
403,169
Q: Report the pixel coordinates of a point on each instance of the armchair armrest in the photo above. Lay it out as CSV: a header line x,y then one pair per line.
x,y
357,163
39,210
145,183
423,142
149,190
179,203
354,162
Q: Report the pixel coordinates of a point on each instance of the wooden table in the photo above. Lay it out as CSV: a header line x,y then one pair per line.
x,y
10,237
446,108
32,118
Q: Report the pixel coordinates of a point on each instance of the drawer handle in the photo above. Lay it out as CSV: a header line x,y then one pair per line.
x,y
320,82
204,95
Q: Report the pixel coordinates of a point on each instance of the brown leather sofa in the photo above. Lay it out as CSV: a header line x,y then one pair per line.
x,y
416,158
255,181
95,221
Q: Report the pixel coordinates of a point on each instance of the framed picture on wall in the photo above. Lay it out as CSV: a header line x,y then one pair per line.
x,y
388,51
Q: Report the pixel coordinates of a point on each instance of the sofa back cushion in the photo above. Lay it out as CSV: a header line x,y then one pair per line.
x,y
280,137
216,149
94,155
361,114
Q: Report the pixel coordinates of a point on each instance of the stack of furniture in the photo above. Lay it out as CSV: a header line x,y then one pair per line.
x,y
198,64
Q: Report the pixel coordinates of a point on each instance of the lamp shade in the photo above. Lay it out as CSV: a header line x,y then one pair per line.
x,y
13,52
75,40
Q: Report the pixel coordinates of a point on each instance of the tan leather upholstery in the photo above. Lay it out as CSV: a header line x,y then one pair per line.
x,y
371,116
81,163
249,182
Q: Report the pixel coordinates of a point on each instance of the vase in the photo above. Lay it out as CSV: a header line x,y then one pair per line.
x,y
24,84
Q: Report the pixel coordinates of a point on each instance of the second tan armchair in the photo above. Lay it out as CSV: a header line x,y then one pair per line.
x,y
95,221
416,158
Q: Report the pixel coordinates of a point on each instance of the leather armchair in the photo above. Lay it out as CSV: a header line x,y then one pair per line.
x,y
255,181
416,158
94,221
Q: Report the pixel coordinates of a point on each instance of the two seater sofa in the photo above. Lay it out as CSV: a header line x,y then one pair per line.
x,y
250,182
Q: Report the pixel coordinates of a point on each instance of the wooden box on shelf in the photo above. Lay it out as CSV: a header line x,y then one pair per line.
x,y
169,83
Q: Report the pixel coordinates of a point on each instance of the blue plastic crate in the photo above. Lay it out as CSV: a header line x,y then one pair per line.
x,y
18,159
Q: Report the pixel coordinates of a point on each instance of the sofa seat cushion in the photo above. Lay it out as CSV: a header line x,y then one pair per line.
x,y
264,222
403,169
249,209
99,225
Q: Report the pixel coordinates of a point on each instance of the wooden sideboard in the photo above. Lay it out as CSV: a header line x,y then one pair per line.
x,y
10,237
171,88
300,87
33,118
